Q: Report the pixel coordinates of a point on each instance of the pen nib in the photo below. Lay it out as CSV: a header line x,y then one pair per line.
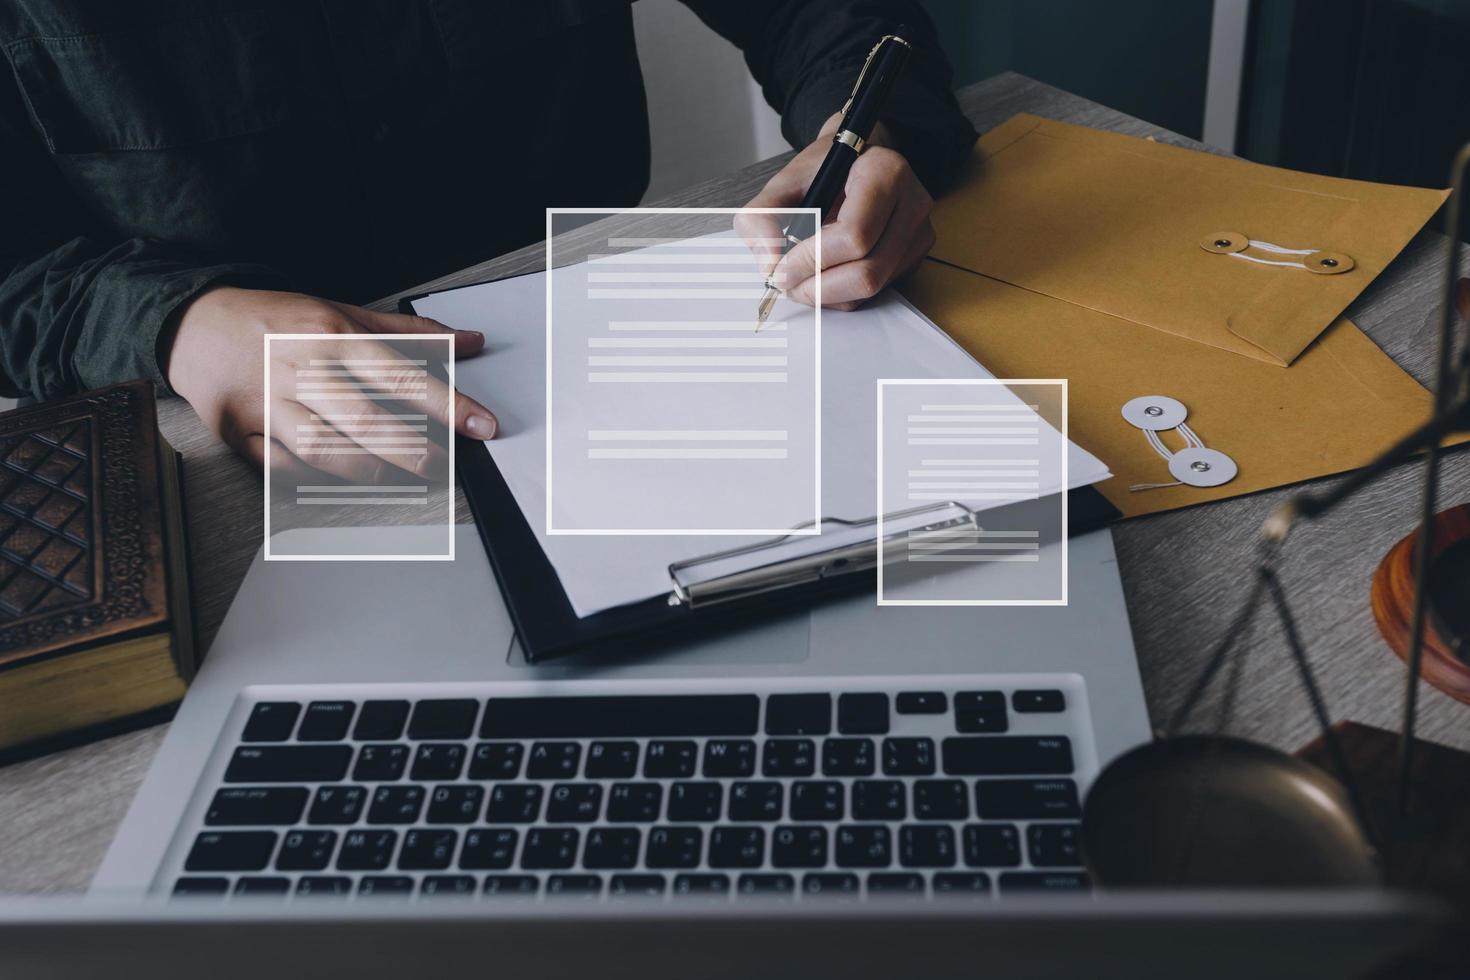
x,y
763,310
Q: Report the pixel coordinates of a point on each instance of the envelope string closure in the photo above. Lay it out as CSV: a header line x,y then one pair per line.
x,y
1195,465
1234,244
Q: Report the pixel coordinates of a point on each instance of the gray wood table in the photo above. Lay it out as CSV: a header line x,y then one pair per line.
x,y
1184,572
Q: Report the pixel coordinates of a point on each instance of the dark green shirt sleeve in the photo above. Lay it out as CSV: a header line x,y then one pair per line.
x,y
78,308
806,54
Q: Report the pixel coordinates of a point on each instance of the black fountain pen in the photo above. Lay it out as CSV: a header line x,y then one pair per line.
x,y
880,72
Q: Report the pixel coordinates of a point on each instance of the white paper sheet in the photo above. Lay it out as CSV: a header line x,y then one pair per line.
x,y
887,338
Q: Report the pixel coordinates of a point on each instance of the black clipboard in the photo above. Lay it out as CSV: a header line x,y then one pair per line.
x,y
548,627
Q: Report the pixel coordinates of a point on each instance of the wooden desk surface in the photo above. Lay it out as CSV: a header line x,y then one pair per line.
x,y
1183,572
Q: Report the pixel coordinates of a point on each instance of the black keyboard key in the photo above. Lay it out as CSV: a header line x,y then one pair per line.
x,y
696,802
1027,799
514,803
610,848
271,721
670,759
427,850
1039,702
863,846
455,804
323,886
574,803
443,720
574,886
862,714
961,884
637,886
634,802
799,847
497,760
908,757
922,703
380,763
493,849
201,887
896,883
831,883
992,845
511,886
1013,882
554,760
256,807
447,886
380,721
1008,755
789,757
396,804
367,850
612,760
707,885
437,762
261,886
289,764
737,847
879,799
620,716
674,847
817,800
306,850
758,801
766,885
940,799
729,757
337,805
384,886
926,846
326,721
231,850
1053,845
967,702
981,722
848,757
550,848
799,714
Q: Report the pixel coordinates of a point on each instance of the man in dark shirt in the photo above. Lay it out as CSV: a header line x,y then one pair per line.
x,y
180,177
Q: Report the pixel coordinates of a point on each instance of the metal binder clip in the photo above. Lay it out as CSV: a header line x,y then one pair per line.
x,y
1196,465
843,547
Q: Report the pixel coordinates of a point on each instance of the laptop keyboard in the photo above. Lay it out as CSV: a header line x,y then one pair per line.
x,y
855,789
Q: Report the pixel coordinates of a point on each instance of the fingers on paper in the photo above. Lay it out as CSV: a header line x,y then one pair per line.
x,y
356,441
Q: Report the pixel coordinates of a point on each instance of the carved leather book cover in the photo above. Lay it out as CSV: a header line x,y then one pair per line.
x,y
93,616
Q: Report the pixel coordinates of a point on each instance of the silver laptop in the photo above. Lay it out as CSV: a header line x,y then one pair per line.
x,y
366,730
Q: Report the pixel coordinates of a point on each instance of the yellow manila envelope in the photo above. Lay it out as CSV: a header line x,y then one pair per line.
x,y
1228,254
1340,403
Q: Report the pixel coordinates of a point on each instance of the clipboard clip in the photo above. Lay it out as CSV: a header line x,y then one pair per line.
x,y
843,547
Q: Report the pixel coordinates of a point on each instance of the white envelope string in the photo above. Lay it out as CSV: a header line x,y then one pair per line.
x,y
1314,260
1196,465
1278,250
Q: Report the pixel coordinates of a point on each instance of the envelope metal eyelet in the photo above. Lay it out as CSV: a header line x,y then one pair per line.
x,y
1156,413
1328,263
1225,242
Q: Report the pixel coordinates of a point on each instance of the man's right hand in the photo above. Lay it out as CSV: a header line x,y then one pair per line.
x,y
217,362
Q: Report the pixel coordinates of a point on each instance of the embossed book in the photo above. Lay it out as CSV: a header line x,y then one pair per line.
x,y
95,626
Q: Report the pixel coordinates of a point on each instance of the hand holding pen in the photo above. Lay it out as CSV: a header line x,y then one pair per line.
x,y
878,211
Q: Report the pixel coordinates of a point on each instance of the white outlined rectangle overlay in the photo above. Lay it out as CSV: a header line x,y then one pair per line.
x,y
360,412
985,443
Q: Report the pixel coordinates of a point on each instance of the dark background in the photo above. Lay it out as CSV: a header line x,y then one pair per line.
x,y
1370,89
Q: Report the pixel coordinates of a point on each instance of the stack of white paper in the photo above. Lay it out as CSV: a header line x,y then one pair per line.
x,y
885,339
